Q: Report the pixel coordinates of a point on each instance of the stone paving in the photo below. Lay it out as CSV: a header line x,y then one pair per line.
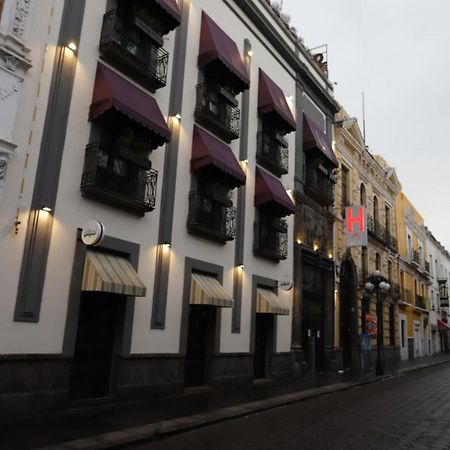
x,y
407,412
116,424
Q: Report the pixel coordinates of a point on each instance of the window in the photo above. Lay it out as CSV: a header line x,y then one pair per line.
x,y
362,195
131,39
387,219
344,186
117,168
390,271
1,7
410,247
377,261
375,210
403,322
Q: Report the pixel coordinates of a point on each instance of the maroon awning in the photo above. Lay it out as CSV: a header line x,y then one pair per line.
x,y
315,138
215,45
171,8
271,99
113,91
208,150
442,326
269,189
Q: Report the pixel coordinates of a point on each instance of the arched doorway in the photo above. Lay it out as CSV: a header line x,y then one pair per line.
x,y
347,312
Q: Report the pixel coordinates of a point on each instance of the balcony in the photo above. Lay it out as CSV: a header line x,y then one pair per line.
x,y
420,302
216,109
406,296
319,185
211,218
133,50
427,267
395,292
414,258
271,239
392,242
118,181
272,153
376,230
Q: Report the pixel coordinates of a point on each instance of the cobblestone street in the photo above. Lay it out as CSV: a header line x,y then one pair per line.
x,y
410,411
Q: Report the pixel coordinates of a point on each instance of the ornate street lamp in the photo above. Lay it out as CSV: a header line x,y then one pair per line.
x,y
378,284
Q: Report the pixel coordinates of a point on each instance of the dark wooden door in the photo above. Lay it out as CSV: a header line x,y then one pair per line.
x,y
92,359
313,331
200,343
263,345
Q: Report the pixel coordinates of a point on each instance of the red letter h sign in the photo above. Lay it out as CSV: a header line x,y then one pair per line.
x,y
359,219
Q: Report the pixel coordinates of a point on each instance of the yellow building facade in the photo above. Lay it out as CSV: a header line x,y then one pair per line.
x,y
365,180
414,279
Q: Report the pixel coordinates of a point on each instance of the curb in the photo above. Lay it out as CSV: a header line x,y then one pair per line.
x,y
182,424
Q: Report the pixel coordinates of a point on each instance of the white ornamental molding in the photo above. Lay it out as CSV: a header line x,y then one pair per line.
x,y
20,17
7,92
11,62
3,166
6,152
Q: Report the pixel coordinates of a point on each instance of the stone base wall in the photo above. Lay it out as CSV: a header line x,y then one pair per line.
x,y
37,384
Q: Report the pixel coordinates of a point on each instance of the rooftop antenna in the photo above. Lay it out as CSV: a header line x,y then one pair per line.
x,y
364,118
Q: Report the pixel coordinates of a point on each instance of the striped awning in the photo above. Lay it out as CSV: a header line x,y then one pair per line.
x,y
206,290
268,302
105,272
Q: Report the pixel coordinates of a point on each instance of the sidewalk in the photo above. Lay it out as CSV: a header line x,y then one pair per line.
x,y
110,425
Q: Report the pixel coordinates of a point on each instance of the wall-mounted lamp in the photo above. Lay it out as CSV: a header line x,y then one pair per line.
x,y
47,209
177,116
330,255
72,46
250,53
299,241
167,245
315,247
241,266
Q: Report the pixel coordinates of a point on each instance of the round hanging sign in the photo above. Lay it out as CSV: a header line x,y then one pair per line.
x,y
92,232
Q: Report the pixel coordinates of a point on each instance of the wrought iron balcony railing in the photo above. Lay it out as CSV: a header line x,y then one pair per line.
x,y
392,242
376,230
211,218
272,153
415,257
420,302
215,111
271,239
406,296
319,185
117,181
133,51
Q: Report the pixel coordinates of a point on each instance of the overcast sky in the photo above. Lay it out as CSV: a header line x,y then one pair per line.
x,y
398,53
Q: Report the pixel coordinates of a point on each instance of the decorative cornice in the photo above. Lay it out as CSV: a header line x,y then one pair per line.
x,y
20,17
13,54
7,148
259,19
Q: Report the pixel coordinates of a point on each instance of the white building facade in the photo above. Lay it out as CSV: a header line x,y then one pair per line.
x,y
178,127
439,260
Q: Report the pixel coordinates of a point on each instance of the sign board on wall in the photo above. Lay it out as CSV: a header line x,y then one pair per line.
x,y
371,324
355,226
92,233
